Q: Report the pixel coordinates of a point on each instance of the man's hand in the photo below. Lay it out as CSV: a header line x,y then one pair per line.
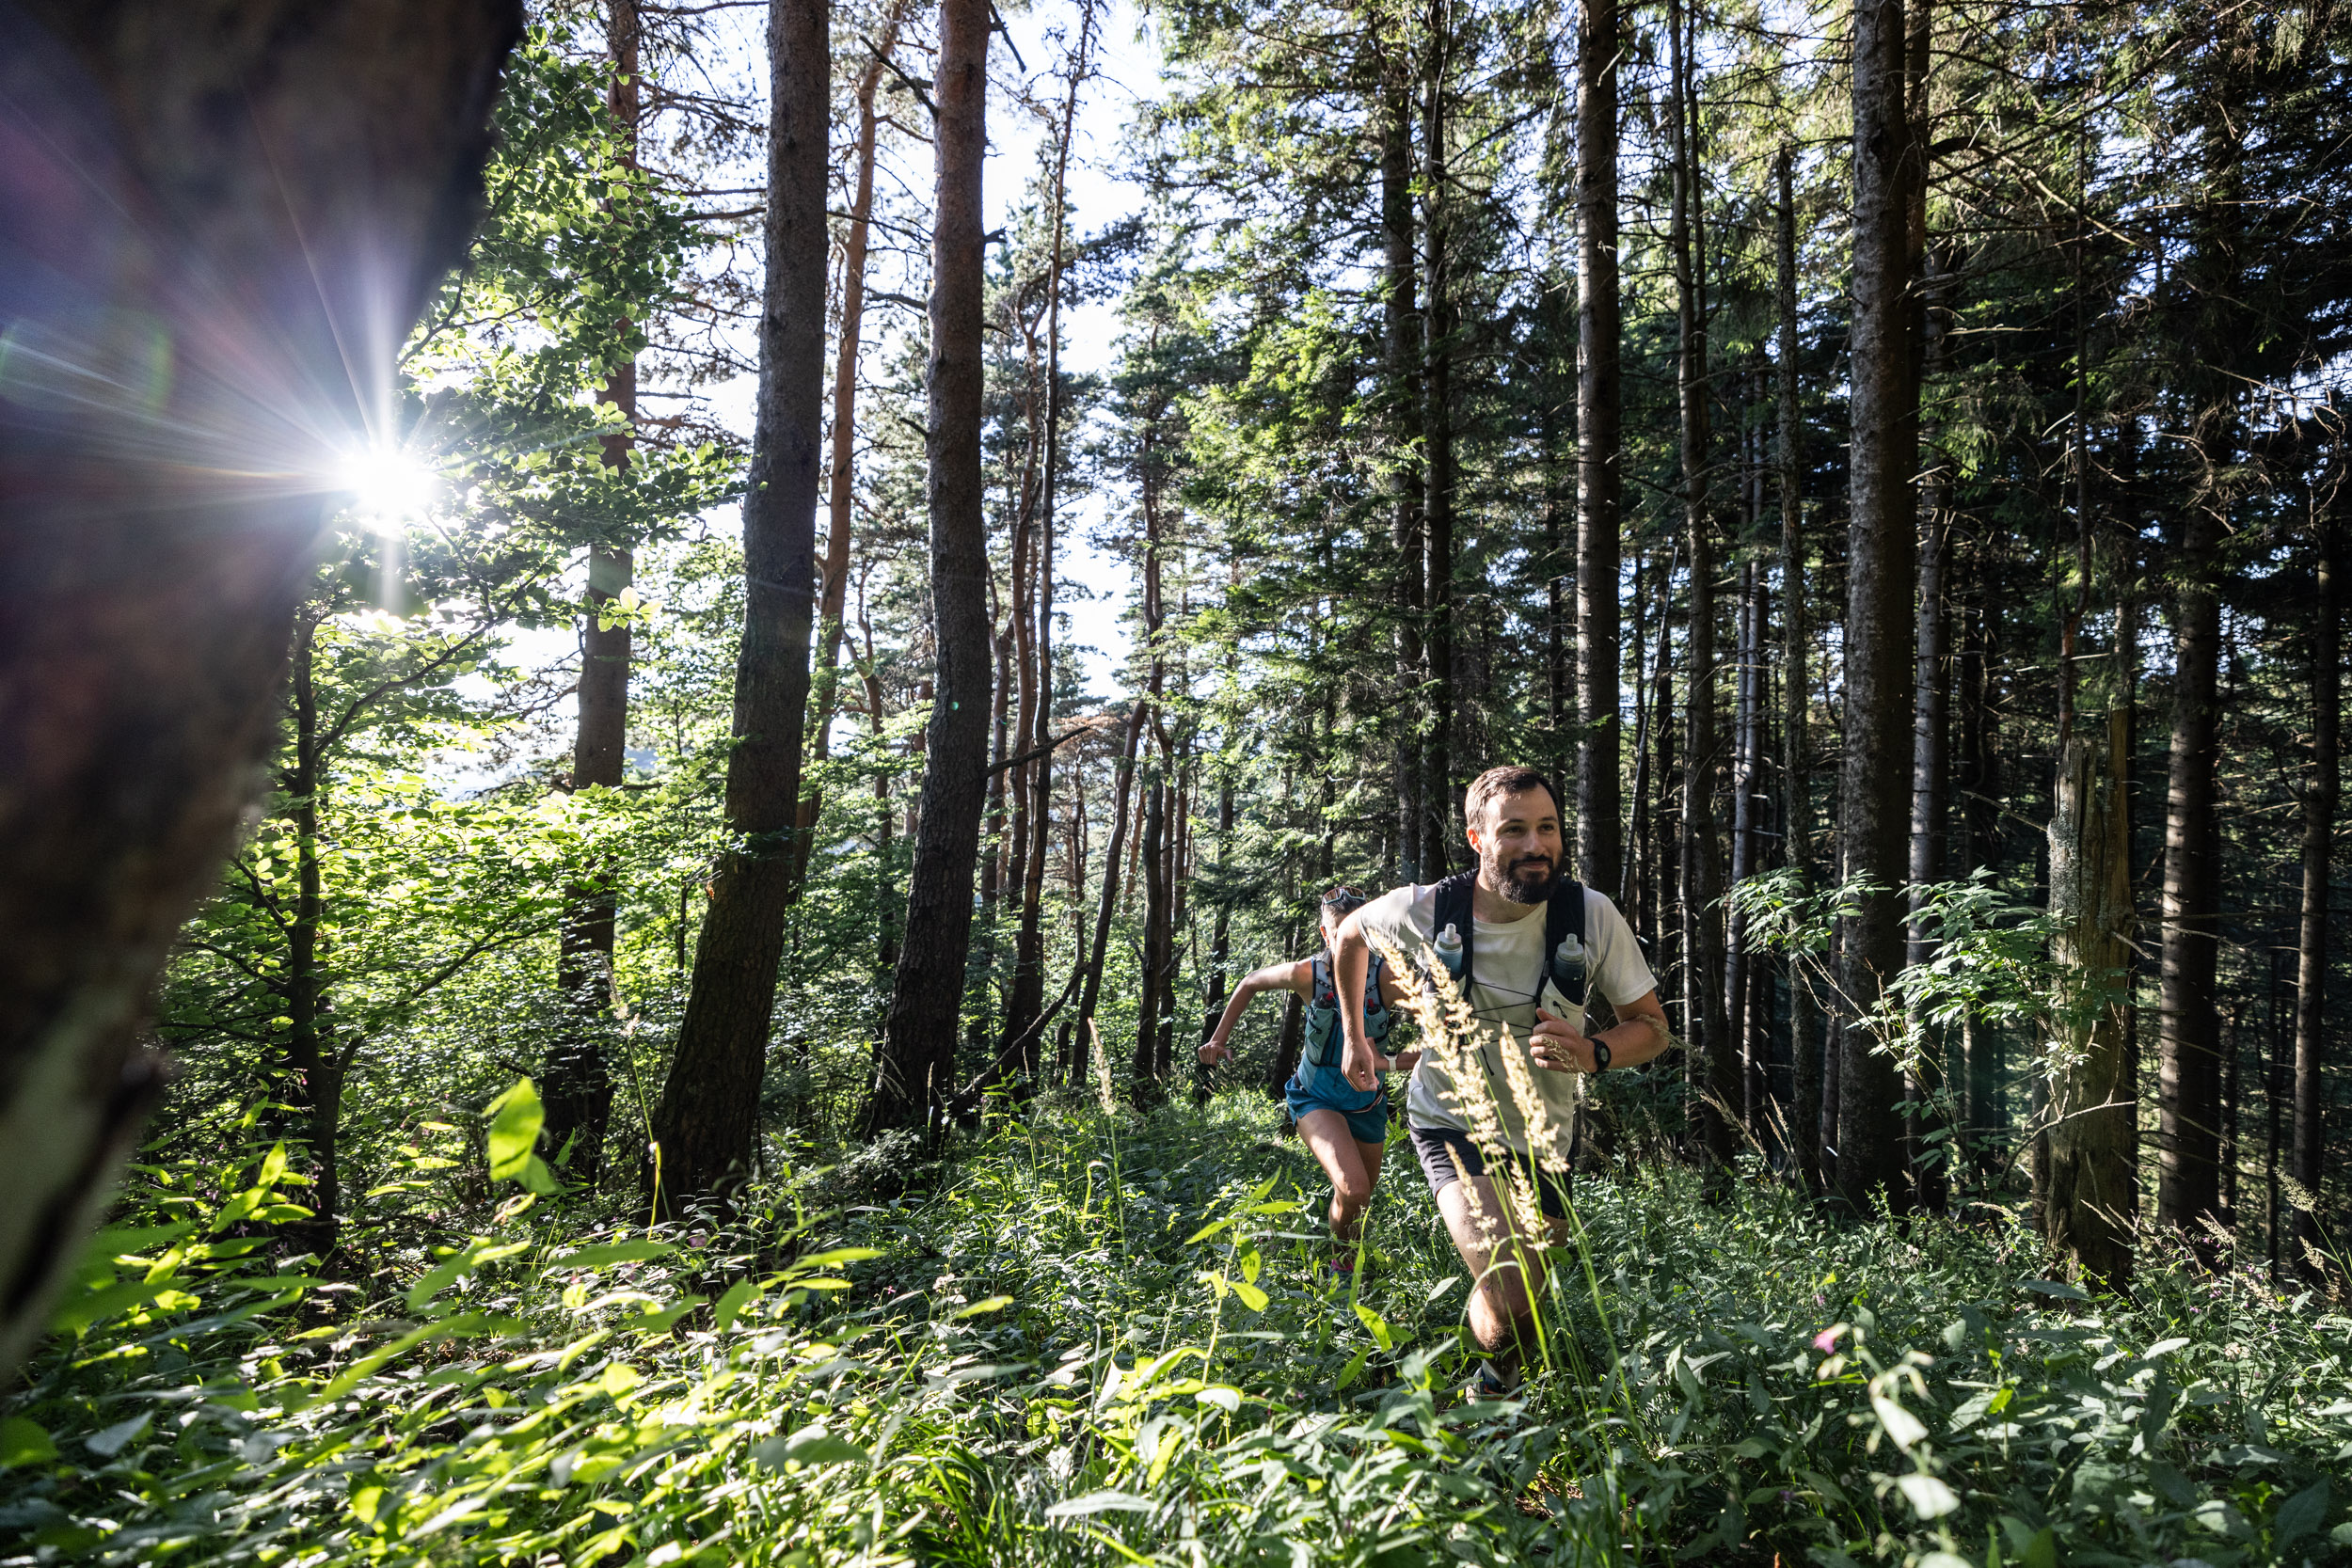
x,y
1559,1047
1404,1061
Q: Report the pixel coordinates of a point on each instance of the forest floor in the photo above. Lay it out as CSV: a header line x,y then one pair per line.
x,y
1098,1340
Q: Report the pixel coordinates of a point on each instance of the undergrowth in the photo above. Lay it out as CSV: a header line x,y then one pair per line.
x,y
1096,1340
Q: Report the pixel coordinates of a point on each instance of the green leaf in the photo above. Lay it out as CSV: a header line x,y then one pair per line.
x,y
514,1118
1378,1325
992,1303
110,1441
738,1295
605,1254
23,1441
2301,1515
112,1301
1101,1502
1250,1296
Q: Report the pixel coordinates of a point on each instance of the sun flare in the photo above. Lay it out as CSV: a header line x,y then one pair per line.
x,y
388,486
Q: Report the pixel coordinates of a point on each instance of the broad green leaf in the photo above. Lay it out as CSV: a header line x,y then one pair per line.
x,y
1378,1325
24,1442
1250,1296
605,1254
738,1295
992,1304
514,1118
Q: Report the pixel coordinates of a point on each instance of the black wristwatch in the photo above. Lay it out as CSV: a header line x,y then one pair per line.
x,y
1600,1054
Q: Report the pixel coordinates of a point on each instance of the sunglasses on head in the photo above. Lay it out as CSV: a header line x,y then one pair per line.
x,y
1344,900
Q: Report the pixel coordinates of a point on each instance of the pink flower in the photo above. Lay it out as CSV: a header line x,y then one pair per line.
x,y
1826,1340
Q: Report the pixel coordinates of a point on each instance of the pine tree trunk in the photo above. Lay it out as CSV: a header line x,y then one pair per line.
x,y
1402,321
273,195
577,1087
1600,846
1440,806
1122,790
927,990
1717,1053
2188,1149
1873,783
841,468
310,1046
707,1124
2087,1190
2320,796
1796,814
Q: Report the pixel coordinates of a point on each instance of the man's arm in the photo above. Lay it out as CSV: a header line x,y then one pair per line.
x,y
1640,1034
1297,976
1351,957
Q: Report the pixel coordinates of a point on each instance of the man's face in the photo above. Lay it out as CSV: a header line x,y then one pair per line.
x,y
1518,846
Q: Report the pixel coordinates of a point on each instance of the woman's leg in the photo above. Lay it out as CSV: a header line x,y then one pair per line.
x,y
1352,1166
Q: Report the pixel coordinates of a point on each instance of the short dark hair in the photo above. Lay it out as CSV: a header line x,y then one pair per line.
x,y
1510,778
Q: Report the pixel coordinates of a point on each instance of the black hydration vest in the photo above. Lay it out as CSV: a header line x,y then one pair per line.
x,y
1564,916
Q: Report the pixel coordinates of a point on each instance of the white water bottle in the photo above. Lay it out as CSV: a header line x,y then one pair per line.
x,y
1449,946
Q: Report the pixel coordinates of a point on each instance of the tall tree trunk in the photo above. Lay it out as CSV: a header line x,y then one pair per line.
x,y
273,195
707,1124
1796,813
1440,806
841,465
2087,1190
1716,1049
1402,321
1872,822
310,1046
576,1086
1122,790
1931,733
1029,960
1599,844
2319,827
2189,1149
1746,748
927,989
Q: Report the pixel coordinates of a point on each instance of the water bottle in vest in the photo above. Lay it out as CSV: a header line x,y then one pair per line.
x,y
1569,968
1449,946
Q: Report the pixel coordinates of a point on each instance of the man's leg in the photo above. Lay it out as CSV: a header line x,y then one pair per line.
x,y
1501,1248
1352,1166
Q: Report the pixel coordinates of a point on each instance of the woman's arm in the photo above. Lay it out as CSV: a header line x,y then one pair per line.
x,y
1298,976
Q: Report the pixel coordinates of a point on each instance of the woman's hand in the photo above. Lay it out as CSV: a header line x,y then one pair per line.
x,y
1215,1052
1404,1061
1558,1046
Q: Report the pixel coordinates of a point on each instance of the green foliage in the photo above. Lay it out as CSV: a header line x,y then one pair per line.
x,y
1112,1341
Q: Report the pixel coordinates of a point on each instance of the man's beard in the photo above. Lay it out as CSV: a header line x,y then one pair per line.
x,y
1527,879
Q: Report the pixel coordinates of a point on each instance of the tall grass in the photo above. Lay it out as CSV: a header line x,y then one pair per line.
x,y
1100,1337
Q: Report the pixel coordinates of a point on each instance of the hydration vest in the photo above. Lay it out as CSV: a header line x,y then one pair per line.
x,y
1563,917
1325,1037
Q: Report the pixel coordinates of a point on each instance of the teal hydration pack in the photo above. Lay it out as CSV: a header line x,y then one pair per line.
x,y
1325,1037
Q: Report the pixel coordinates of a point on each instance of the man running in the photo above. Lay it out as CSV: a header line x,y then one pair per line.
x,y
1344,1125
1532,946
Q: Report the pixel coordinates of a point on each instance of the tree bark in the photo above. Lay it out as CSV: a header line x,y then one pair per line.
x,y
1796,814
928,985
1122,790
576,1086
1872,783
2319,827
152,556
706,1123
1438,804
2188,1149
1715,1049
2087,1190
841,467
1600,845
1401,316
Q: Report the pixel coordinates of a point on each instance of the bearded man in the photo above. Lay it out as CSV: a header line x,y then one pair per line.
x,y
1527,947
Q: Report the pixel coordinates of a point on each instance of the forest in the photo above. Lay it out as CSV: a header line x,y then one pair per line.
x,y
639,775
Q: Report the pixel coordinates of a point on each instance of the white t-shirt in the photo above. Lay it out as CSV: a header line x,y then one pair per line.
x,y
1507,971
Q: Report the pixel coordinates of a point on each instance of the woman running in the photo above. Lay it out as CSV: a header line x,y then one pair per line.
x,y
1347,1128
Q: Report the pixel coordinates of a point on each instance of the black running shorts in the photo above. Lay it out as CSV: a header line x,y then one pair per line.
x,y
1447,1156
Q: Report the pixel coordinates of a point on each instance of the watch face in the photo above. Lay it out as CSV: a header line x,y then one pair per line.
x,y
1600,1054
